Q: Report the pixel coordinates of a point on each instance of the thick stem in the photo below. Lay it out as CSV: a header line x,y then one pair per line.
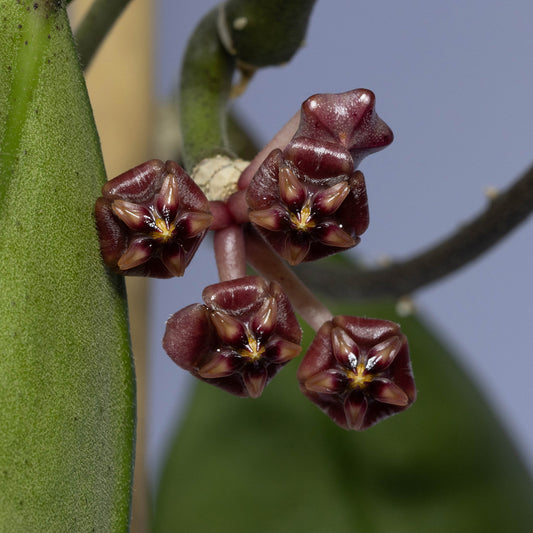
x,y
271,266
206,76
230,253
95,26
501,216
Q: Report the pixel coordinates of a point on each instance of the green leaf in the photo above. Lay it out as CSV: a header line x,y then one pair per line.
x,y
278,464
66,375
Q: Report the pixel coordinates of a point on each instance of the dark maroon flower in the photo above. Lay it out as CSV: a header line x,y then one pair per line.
x,y
239,339
306,218
357,370
151,220
336,132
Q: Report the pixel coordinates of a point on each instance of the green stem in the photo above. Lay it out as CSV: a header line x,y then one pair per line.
x,y
205,86
95,26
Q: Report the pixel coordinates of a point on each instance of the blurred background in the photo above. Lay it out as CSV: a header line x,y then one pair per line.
x,y
454,81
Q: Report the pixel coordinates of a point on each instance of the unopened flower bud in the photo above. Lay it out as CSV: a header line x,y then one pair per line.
x,y
336,132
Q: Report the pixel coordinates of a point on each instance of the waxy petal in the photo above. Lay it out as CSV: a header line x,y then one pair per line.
x,y
385,391
355,408
218,366
330,381
292,192
383,354
138,252
295,252
255,381
230,330
270,219
332,235
194,223
345,349
265,320
135,216
281,351
326,202
175,261
167,201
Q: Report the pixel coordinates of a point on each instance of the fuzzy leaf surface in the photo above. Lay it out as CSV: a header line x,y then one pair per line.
x,y
66,374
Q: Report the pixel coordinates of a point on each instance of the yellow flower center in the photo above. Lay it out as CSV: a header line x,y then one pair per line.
x,y
358,379
252,350
163,232
303,220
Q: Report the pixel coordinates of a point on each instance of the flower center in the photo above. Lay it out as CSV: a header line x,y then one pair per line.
x,y
252,350
303,220
359,379
164,232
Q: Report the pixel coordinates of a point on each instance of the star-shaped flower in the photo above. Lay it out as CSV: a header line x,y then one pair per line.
x,y
239,339
151,220
303,218
357,370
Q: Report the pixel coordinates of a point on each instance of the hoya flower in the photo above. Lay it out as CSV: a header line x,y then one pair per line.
x,y
357,370
151,220
300,199
304,218
239,339
307,201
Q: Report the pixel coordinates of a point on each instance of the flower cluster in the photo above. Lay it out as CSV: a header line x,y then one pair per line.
x,y
301,200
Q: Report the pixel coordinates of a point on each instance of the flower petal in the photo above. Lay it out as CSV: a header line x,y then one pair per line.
x,y
135,216
230,330
138,252
385,391
281,351
264,321
326,202
332,235
255,381
355,407
327,382
175,261
295,252
219,366
270,219
345,349
291,191
195,222
167,201
383,354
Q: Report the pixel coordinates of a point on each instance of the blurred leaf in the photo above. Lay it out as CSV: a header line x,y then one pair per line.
x,y
66,376
279,465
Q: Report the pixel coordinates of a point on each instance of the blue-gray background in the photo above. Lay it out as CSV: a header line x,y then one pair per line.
x,y
454,80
